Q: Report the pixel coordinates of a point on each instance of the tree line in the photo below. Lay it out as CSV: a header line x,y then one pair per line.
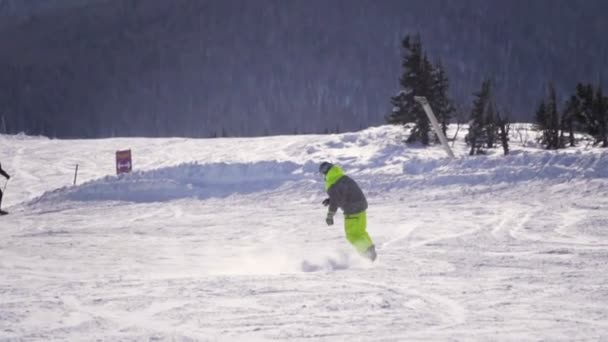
x,y
157,68
585,111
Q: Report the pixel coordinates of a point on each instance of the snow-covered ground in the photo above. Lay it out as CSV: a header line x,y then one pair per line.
x,y
225,240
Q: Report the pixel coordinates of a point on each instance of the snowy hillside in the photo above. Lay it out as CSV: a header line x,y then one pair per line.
x,y
225,239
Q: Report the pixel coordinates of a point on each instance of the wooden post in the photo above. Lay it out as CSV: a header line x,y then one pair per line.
x,y
75,174
429,113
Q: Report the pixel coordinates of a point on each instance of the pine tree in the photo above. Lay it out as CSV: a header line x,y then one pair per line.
x,y
569,117
541,121
439,100
553,122
419,78
404,106
593,112
549,122
585,96
490,125
600,106
476,127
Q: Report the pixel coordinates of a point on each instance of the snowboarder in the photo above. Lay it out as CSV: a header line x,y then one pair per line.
x,y
344,193
2,172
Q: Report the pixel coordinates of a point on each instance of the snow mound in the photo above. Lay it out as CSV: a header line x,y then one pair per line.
x,y
191,180
484,170
376,157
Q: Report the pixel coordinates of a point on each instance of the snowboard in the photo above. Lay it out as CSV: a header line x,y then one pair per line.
x,y
2,212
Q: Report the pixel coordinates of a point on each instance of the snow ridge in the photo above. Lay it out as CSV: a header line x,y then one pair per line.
x,y
191,180
518,167
202,181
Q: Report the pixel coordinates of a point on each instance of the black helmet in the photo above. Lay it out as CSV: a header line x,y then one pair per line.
x,y
324,167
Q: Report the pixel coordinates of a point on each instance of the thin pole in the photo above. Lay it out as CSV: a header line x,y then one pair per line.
x,y
75,174
429,113
3,192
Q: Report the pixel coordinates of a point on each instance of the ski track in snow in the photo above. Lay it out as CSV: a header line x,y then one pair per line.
x,y
209,241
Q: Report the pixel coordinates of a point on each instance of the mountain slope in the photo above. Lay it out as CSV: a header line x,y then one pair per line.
x,y
225,239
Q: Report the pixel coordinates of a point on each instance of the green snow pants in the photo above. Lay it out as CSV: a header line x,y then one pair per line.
x,y
356,233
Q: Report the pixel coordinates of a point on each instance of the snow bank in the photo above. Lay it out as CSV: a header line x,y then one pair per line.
x,y
375,157
520,167
202,181
183,181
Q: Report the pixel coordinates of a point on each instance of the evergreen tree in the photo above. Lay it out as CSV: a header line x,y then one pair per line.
x,y
584,94
541,121
549,122
476,135
490,125
554,120
420,78
404,106
439,100
593,112
569,117
600,110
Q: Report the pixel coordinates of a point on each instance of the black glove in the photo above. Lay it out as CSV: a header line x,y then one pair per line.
x,y
326,202
330,218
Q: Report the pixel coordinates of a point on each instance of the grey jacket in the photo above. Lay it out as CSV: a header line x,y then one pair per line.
x,y
346,195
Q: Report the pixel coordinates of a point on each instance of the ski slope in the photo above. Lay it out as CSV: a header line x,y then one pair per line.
x,y
225,240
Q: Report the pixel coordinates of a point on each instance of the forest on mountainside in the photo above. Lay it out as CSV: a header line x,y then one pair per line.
x,y
203,68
